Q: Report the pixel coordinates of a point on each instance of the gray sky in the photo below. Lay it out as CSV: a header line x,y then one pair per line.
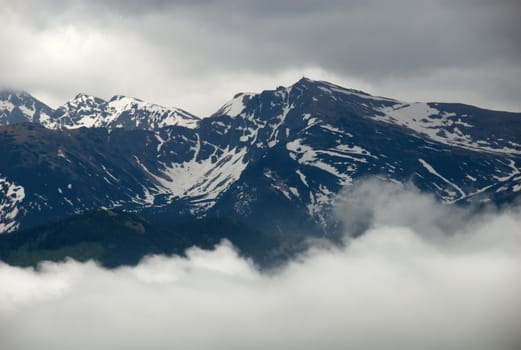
x,y
198,54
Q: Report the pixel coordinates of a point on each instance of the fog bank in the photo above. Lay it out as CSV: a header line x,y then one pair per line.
x,y
422,276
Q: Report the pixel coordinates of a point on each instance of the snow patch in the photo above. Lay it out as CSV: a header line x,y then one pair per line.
x,y
433,171
419,118
306,155
11,196
235,106
202,180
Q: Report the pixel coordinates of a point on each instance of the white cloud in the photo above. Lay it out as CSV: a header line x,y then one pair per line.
x,y
412,281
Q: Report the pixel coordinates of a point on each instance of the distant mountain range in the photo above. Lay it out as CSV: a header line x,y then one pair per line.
x,y
274,160
91,112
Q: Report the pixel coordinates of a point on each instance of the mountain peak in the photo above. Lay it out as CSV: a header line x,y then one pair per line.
x,y
83,96
18,106
123,97
83,100
304,80
8,94
236,105
119,112
80,95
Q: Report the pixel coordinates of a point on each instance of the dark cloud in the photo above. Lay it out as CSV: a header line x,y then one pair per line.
x,y
176,51
412,281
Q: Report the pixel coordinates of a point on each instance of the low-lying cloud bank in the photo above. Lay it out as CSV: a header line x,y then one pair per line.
x,y
422,276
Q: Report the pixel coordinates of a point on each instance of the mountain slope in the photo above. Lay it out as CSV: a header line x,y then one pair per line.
x,y
116,238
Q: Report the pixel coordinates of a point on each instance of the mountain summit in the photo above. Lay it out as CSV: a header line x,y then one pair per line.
x,y
21,107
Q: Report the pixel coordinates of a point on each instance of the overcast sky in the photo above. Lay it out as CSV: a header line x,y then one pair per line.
x,y
196,54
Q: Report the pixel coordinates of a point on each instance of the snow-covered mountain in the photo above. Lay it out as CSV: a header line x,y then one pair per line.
x,y
275,160
92,112
20,107
119,112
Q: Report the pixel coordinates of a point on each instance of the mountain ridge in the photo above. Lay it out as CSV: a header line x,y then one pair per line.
x,y
262,158
86,110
